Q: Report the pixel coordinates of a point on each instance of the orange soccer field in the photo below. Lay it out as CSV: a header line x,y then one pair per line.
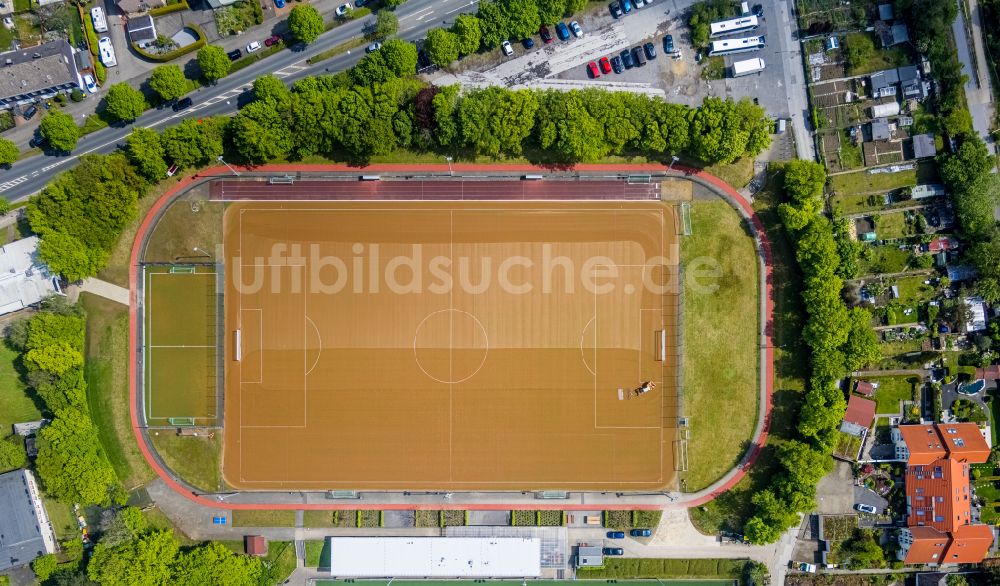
x,y
450,346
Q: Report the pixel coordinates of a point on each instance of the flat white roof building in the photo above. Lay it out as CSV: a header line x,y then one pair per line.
x,y
24,279
435,557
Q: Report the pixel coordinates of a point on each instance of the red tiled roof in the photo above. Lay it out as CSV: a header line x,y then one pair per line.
x,y
942,243
923,442
860,411
256,545
938,495
928,546
864,387
989,373
961,441
969,545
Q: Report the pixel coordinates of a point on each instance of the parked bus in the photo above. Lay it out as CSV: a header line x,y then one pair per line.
x,y
747,67
97,17
730,46
736,25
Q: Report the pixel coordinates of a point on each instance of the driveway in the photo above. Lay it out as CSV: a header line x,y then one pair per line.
x,y
835,491
129,65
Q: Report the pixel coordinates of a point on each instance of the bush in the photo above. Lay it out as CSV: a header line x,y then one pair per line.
x,y
522,518
176,7
452,518
426,519
617,519
77,95
646,519
550,518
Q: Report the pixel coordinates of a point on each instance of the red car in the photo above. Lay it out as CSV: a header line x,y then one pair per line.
x,y
605,65
593,70
546,35
272,40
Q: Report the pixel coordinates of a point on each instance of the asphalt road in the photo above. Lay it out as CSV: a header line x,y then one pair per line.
x,y
416,17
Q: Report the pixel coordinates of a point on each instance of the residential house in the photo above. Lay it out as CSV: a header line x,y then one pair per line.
x,y
134,7
940,528
39,72
880,129
890,35
25,530
977,314
859,416
883,83
24,279
990,373
926,190
142,30
942,244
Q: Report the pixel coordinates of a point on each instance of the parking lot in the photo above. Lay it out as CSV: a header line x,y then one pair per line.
x,y
563,64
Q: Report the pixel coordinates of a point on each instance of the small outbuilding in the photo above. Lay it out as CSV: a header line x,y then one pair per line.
x,y
923,146
589,556
859,416
255,545
865,388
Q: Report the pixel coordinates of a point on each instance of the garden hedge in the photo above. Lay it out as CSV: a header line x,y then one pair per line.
x,y
171,55
176,7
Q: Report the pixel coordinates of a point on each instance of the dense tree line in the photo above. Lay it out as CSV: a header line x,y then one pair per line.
x,y
839,340
71,462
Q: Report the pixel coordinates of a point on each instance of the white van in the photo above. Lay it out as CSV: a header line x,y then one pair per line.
x,y
744,8
97,17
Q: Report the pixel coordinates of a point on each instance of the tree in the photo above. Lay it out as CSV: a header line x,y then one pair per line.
x,y
493,23
716,134
970,162
522,16
214,565
269,88
470,33
396,58
59,131
305,23
145,561
12,455
497,120
214,62
44,566
260,133
190,144
551,11
71,462
974,206
8,152
168,82
145,151
756,574
858,49
390,4
125,103
386,24
442,46
57,358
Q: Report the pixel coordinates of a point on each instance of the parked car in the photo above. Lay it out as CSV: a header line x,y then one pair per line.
x,y
279,3
592,70
614,551
563,31
545,34
254,47
616,535
272,40
360,3
605,65
668,44
342,10
235,54
36,142
627,60
373,47
182,104
575,27
528,43
638,3
650,50
30,112
616,9
88,80
640,533
640,58
626,6
616,64
863,508
506,48
758,10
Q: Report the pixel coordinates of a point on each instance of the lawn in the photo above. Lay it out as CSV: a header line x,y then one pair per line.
x,y
107,387
281,559
891,390
861,182
320,519
721,367
913,289
157,519
842,203
847,446
242,518
6,38
881,59
317,554
884,260
62,518
737,173
892,225
195,459
15,403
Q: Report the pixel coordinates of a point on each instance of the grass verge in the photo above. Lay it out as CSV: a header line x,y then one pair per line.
x,y
195,459
665,568
721,367
264,519
16,405
107,387
317,554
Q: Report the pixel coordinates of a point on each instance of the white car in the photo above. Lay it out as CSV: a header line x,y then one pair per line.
x,y
88,80
373,47
575,27
638,3
871,510
254,47
506,48
343,9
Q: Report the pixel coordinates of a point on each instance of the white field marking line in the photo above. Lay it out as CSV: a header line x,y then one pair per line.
x,y
451,313
185,346
12,183
451,388
485,483
583,355
260,351
320,352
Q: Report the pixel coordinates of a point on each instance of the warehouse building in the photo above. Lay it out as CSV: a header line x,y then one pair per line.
x,y
435,557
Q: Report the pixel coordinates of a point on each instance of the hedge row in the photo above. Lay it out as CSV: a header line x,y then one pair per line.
x,y
652,568
171,55
176,7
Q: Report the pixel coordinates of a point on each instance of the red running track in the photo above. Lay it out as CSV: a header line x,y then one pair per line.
x,y
147,222
431,190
